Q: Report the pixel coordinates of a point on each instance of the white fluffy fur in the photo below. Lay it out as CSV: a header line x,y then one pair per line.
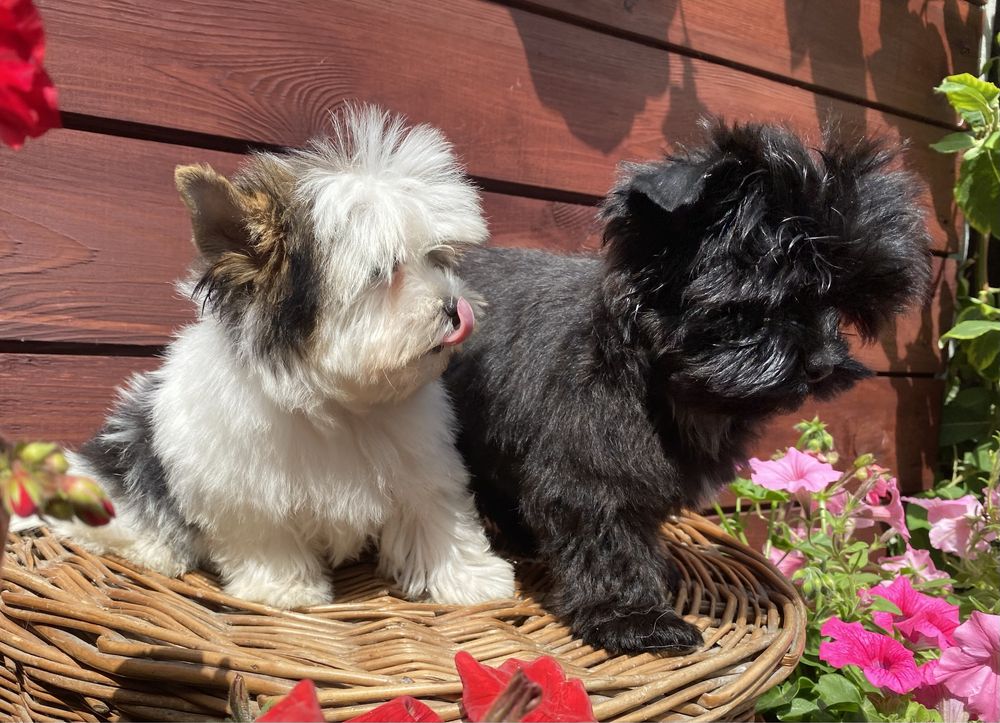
x,y
284,470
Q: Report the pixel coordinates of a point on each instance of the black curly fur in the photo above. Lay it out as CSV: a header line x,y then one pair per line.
x,y
602,395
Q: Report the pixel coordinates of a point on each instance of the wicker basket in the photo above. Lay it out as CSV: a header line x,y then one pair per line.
x,y
89,638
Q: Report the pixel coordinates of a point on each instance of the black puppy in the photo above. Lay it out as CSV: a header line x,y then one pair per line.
x,y
605,393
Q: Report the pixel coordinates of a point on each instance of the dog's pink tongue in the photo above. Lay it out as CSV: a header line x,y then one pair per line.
x,y
466,323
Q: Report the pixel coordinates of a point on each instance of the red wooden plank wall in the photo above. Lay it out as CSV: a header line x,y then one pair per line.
x,y
541,97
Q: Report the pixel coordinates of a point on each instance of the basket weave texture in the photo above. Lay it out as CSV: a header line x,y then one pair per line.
x,y
87,638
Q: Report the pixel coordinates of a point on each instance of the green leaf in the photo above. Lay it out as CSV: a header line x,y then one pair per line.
x,y
934,584
755,493
772,698
870,711
977,190
880,604
974,99
867,578
834,689
968,416
799,708
971,329
914,713
954,142
982,350
991,372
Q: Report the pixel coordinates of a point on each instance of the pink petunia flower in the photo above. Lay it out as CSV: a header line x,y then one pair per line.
x,y
932,694
924,620
795,472
787,562
929,693
952,523
970,670
915,563
883,504
884,661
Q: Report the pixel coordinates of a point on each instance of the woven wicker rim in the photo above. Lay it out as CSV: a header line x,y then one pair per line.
x,y
90,638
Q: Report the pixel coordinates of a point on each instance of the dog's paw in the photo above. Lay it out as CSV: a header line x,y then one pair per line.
x,y
657,630
285,596
489,578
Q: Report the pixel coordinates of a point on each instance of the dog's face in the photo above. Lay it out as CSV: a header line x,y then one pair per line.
x,y
743,263
332,268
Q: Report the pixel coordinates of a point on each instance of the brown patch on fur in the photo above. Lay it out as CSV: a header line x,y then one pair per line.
x,y
250,215
250,235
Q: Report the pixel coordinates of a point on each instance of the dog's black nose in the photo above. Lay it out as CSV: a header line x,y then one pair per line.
x,y
451,309
821,362
818,367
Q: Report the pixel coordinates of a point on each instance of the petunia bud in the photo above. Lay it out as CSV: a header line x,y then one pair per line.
x,y
56,462
862,463
59,508
22,492
88,500
36,452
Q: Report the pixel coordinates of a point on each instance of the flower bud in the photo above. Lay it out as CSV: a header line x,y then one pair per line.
x,y
21,492
36,452
59,508
56,462
863,462
88,500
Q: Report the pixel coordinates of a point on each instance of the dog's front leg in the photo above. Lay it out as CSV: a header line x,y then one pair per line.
x,y
434,545
272,566
611,575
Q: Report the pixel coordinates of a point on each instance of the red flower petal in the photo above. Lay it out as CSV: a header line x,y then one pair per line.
x,y
481,684
300,706
563,701
404,708
23,493
28,100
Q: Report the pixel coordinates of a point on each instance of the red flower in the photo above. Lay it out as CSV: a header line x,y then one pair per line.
x,y
562,700
28,100
403,708
300,705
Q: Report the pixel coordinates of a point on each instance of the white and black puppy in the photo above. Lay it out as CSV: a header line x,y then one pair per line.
x,y
302,414
606,393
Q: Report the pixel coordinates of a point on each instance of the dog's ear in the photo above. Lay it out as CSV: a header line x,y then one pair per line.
x,y
653,202
674,184
877,220
217,214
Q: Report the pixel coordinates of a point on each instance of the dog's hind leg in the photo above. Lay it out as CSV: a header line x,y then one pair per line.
x,y
146,546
